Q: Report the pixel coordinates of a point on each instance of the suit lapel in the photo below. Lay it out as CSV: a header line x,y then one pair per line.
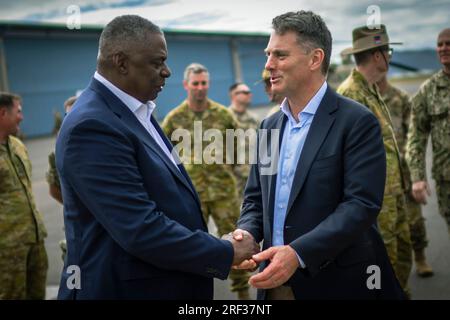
x,y
317,132
125,114
177,159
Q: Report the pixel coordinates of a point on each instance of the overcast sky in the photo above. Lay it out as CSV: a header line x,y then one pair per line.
x,y
416,23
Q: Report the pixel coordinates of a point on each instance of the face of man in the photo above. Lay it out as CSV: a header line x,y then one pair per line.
x,y
382,59
443,47
241,95
10,119
197,86
288,63
147,69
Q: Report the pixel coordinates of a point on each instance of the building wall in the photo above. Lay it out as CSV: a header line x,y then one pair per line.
x,y
47,67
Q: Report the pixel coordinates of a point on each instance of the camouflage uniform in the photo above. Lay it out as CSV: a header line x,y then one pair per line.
x,y
53,179
430,114
215,183
273,109
400,109
246,121
23,259
392,220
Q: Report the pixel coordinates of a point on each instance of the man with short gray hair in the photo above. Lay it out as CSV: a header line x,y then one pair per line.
x,y
317,215
133,222
430,116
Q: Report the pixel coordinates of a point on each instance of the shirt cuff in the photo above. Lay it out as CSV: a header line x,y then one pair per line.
x,y
302,264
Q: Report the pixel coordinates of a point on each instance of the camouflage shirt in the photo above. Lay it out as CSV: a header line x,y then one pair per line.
x,y
399,107
20,221
212,180
430,113
357,88
52,175
246,120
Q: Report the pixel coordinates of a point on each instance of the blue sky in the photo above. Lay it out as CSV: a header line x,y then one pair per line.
x,y
416,23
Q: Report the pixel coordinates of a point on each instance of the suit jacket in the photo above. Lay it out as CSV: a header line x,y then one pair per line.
x,y
335,198
133,221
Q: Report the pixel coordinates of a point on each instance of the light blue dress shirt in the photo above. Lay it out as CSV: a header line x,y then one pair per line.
x,y
294,137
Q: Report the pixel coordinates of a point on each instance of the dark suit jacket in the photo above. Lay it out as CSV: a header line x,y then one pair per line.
x,y
132,219
336,196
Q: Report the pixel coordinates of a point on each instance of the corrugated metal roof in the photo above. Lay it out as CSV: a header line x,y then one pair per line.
x,y
32,25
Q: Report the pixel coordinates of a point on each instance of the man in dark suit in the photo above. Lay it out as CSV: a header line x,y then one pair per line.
x,y
317,213
133,221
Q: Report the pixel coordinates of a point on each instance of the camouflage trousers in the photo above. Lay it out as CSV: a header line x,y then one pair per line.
x,y
23,272
225,213
443,196
394,229
417,229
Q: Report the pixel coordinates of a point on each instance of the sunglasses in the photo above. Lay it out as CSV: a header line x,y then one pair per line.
x,y
243,92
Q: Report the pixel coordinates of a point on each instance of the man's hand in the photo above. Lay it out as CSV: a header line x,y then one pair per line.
x,y
283,264
248,264
244,245
420,189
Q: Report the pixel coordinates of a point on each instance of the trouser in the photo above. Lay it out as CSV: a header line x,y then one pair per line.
x,y
443,196
394,229
23,271
225,213
280,293
417,228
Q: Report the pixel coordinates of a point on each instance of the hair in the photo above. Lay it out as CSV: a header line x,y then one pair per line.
x,y
234,86
124,32
195,68
7,100
363,57
70,101
311,30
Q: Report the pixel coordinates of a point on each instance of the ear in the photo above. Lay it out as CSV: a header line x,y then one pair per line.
x,y
120,62
185,85
377,55
317,57
3,112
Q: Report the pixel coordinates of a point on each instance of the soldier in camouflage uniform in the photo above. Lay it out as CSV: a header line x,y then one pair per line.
x,y
23,258
215,183
430,114
241,96
53,178
400,108
371,51
274,98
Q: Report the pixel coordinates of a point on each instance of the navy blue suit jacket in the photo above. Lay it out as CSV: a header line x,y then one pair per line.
x,y
133,221
332,211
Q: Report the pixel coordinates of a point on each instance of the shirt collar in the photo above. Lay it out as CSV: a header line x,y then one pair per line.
x,y
131,102
311,107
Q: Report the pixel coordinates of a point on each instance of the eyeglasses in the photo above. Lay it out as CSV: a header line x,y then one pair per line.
x,y
243,92
390,52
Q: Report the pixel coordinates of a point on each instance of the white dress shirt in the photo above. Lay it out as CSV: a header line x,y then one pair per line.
x,y
142,111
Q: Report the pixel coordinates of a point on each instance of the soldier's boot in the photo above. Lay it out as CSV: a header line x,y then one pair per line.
x,y
423,269
243,294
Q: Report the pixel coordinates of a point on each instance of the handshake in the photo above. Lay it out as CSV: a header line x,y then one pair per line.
x,y
245,248
283,260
